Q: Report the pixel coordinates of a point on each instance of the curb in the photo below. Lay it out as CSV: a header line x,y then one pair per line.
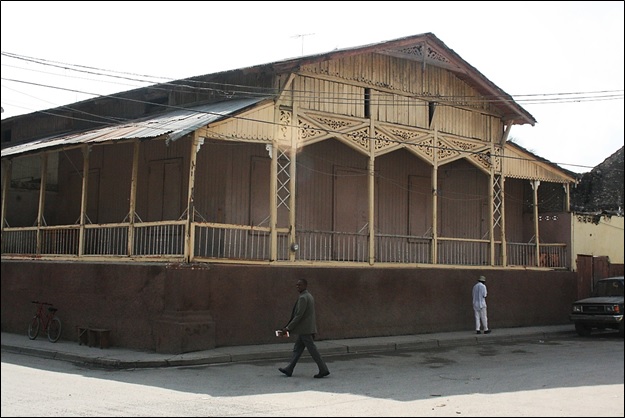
x,y
257,353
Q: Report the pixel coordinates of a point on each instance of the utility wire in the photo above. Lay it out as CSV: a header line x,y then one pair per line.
x,y
324,130
534,98
531,98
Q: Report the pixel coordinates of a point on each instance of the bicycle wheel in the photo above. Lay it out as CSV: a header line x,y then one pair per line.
x,y
54,330
33,327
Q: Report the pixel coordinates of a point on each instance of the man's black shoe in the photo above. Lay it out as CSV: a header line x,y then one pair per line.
x,y
478,332
320,375
286,372
487,331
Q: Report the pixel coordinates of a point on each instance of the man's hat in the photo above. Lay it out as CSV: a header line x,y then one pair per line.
x,y
481,279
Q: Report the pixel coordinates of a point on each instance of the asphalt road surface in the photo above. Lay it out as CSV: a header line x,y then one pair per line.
x,y
564,377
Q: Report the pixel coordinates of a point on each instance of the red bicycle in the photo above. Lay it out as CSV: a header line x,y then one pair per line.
x,y
47,319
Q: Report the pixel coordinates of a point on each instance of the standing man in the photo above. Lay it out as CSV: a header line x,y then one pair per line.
x,y
479,305
304,325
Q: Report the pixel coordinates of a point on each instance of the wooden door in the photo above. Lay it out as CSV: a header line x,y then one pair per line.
x,y
351,214
164,189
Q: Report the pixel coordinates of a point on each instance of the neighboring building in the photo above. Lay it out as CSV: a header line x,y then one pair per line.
x,y
173,214
601,190
598,235
597,205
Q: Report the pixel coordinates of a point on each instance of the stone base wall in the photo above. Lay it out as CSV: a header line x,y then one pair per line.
x,y
173,308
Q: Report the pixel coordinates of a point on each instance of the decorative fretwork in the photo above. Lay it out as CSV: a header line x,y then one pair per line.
x,y
283,178
417,51
383,141
406,136
285,123
434,55
425,149
496,160
446,151
360,137
307,131
488,160
483,159
464,145
497,200
334,124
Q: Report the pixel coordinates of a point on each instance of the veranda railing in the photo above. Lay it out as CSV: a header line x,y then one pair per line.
x,y
214,241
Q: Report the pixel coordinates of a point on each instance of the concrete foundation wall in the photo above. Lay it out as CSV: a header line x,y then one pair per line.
x,y
182,308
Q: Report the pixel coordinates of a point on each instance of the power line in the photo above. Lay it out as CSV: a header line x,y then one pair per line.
x,y
324,130
127,75
343,98
557,97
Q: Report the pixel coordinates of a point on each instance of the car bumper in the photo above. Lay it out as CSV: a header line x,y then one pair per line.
x,y
597,319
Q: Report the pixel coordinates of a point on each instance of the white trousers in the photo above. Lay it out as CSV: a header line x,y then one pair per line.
x,y
481,316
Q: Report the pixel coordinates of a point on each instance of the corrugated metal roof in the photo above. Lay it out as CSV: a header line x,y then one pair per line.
x,y
169,125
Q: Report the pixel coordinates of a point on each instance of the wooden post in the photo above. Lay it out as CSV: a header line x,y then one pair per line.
x,y
491,204
371,188
86,150
133,198
502,181
504,242
42,198
293,129
196,144
6,167
434,259
535,185
274,151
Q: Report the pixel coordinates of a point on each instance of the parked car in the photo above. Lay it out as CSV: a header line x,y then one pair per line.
x,y
604,309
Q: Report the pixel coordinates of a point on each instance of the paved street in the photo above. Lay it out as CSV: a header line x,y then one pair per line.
x,y
570,376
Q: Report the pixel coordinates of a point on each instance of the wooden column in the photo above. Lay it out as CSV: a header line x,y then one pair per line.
x,y
292,139
42,198
502,190
504,243
434,259
293,129
433,126
572,256
86,150
434,129
371,189
535,184
274,151
196,144
6,167
491,207
133,198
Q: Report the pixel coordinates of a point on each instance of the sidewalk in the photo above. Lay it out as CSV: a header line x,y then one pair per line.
x,y
121,358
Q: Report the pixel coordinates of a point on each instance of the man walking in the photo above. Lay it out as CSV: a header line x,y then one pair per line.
x,y
303,324
479,305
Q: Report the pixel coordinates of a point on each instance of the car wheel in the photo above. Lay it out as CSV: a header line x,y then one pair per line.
x,y
582,330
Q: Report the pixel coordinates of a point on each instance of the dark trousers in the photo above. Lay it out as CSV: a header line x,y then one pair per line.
x,y
306,341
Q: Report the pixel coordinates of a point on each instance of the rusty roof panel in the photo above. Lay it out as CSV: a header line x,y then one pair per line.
x,y
170,125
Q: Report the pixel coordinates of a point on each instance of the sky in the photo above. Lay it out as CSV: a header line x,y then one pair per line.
x,y
562,61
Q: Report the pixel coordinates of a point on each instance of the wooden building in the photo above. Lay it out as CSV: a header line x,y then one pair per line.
x,y
363,166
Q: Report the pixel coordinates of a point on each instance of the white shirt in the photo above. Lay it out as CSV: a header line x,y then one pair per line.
x,y
479,295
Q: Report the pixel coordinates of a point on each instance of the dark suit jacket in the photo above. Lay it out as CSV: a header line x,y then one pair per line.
x,y
303,316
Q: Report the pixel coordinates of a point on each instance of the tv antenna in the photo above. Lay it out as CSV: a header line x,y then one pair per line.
x,y
302,36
